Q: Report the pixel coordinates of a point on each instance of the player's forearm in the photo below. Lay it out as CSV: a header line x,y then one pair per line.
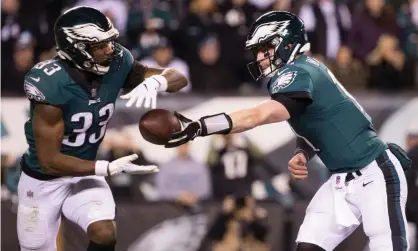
x,y
175,80
64,165
267,112
244,120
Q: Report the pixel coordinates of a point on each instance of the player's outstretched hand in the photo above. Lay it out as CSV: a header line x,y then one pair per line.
x,y
123,165
297,167
190,130
144,94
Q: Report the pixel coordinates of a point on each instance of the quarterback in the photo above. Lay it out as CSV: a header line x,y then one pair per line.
x,y
72,97
367,183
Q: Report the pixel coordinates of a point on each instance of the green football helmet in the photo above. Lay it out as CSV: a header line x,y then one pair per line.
x,y
80,29
281,30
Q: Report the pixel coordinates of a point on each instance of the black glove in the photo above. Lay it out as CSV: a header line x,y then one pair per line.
x,y
219,123
191,129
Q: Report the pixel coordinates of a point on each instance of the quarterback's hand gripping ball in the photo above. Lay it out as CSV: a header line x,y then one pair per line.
x,y
191,129
158,125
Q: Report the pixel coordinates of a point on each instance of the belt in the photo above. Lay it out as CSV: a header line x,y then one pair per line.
x,y
382,158
351,176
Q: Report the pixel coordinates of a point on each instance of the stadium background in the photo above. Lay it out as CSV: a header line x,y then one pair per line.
x,y
372,47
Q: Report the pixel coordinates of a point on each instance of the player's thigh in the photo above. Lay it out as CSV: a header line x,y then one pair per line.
x,y
91,200
39,212
319,226
382,205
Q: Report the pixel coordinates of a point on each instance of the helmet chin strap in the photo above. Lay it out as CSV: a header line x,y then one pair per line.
x,y
100,69
268,70
94,67
271,69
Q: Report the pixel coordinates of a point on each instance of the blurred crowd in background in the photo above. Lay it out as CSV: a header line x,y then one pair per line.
x,y
370,45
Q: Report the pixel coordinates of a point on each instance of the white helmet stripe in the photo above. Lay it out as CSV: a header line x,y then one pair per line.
x,y
265,31
89,32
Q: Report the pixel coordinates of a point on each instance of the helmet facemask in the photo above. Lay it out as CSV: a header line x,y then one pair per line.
x,y
285,51
275,62
82,56
95,66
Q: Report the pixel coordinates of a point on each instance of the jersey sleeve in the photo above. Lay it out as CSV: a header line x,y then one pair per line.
x,y
293,83
128,58
127,63
44,89
135,71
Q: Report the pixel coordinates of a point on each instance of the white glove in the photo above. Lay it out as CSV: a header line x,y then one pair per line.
x,y
123,165
147,90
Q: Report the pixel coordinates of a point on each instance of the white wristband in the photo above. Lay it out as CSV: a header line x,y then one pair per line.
x,y
101,168
162,81
216,124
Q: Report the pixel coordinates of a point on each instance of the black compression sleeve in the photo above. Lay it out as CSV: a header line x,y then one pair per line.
x,y
303,147
295,102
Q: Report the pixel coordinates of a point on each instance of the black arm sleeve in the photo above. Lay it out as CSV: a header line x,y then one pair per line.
x,y
136,76
303,147
295,102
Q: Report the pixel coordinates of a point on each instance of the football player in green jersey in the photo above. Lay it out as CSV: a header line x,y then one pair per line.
x,y
368,181
72,98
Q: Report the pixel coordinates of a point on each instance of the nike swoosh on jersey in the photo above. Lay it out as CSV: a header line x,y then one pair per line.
x,y
36,79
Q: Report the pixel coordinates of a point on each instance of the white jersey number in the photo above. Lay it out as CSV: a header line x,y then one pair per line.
x,y
86,119
49,69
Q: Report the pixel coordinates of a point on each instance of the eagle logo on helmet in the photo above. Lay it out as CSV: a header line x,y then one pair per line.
x,y
32,92
89,32
265,31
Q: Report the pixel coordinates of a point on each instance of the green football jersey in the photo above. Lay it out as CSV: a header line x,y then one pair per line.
x,y
85,114
334,124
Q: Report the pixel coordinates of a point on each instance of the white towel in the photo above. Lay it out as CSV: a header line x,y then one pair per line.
x,y
343,214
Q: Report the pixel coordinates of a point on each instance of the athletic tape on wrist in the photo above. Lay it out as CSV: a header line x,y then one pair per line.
x,y
102,168
216,124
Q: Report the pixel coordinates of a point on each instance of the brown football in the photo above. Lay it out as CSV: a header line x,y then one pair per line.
x,y
157,126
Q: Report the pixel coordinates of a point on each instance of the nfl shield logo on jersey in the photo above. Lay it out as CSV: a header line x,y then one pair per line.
x,y
29,194
94,92
338,180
